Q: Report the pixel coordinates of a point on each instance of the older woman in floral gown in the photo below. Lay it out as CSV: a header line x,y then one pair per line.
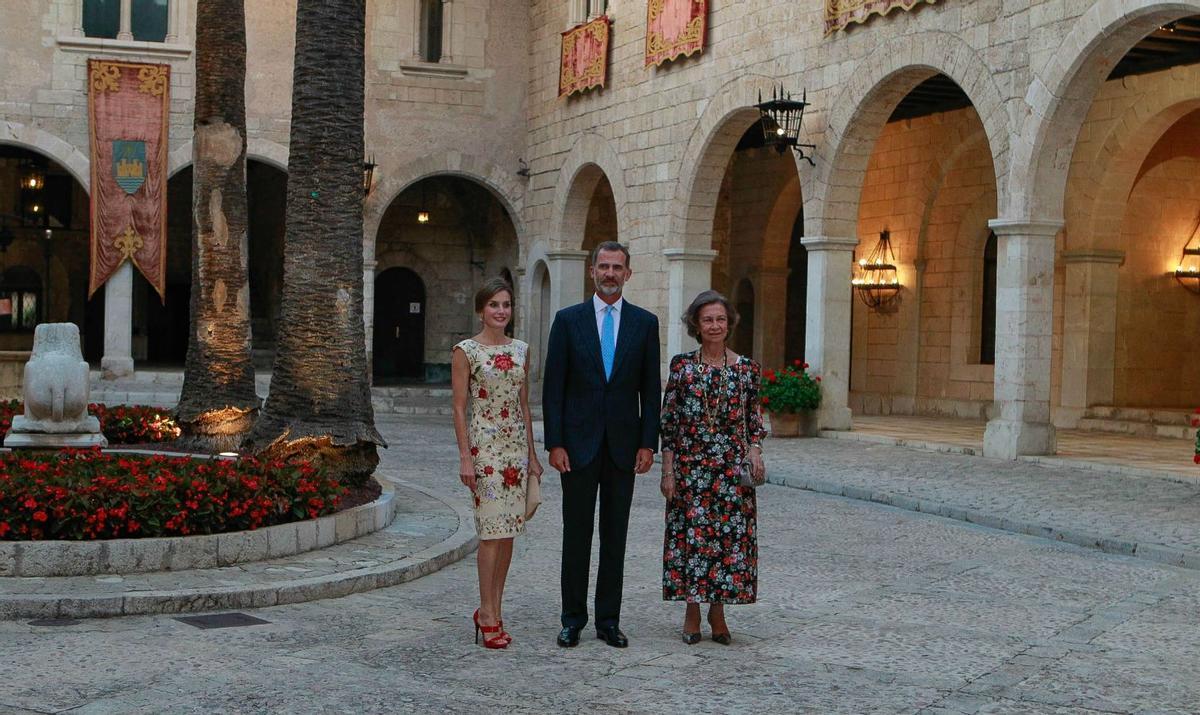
x,y
495,441
711,421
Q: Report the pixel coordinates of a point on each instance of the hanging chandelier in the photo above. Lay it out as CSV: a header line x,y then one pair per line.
x,y
876,280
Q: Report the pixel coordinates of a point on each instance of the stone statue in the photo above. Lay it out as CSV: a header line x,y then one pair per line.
x,y
56,394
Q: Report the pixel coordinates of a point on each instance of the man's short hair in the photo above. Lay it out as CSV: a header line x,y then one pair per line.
x,y
611,246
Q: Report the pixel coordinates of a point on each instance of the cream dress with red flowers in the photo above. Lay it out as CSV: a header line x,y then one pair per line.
x,y
496,432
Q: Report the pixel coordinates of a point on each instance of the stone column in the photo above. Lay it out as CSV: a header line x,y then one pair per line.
x,y
827,325
566,279
1024,326
172,21
77,30
447,32
689,272
126,29
369,266
118,324
1089,331
770,323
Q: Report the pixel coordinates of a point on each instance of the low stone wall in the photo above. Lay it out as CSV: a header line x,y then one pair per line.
x,y
12,373
177,553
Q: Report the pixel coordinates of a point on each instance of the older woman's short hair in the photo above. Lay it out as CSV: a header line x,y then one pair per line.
x,y
691,316
490,288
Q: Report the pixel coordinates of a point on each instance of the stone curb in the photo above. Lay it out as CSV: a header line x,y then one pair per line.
x,y
180,553
434,558
1152,552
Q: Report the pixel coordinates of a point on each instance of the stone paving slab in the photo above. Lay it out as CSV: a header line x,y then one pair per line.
x,y
1147,517
428,532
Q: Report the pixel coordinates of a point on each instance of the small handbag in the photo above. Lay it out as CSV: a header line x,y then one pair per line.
x,y
745,468
533,495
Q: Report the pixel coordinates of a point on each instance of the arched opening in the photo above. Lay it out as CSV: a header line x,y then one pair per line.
x,y
452,233
797,293
539,319
160,328
600,225
930,184
399,331
43,252
757,218
507,275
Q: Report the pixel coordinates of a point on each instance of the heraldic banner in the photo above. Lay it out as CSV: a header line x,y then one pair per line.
x,y
584,57
128,106
674,28
840,13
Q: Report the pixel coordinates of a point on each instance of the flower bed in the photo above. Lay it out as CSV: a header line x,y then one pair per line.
x,y
790,389
123,424
89,494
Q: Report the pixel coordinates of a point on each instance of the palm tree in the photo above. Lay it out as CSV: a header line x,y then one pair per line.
x,y
218,401
319,406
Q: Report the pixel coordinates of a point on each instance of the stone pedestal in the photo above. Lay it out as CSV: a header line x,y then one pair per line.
x,y
1024,325
118,324
689,271
1089,332
827,325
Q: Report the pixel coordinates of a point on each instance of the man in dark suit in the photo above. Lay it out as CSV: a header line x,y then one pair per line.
x,y
600,403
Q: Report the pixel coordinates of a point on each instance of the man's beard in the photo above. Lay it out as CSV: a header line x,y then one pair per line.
x,y
608,290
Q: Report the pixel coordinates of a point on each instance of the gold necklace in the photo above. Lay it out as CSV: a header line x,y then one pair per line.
x,y
710,412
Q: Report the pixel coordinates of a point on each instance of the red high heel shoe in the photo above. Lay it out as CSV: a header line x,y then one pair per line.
x,y
495,642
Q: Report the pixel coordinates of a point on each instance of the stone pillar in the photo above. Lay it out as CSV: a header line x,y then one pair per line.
x,y
447,32
1089,331
369,266
689,272
770,322
827,325
566,278
126,29
172,22
118,324
1024,327
77,30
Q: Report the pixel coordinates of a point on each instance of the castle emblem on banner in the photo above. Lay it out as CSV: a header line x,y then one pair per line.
x,y
129,164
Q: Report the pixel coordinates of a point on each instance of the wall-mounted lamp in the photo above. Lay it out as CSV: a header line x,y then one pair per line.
x,y
876,280
781,118
368,175
1187,271
522,169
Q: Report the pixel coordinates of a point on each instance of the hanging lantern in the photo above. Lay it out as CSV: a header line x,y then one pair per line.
x,y
876,280
1187,271
368,175
781,118
32,177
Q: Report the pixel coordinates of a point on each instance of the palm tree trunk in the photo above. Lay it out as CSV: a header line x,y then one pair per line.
x,y
319,406
218,401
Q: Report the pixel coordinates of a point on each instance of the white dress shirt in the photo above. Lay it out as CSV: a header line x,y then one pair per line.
x,y
600,305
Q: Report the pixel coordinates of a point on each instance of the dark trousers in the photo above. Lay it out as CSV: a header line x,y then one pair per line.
x,y
579,509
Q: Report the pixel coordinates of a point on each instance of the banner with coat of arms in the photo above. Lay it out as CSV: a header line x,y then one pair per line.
x,y
840,13
584,63
128,108
674,28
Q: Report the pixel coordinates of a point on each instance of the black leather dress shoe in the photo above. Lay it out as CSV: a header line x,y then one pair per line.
x,y
612,636
568,637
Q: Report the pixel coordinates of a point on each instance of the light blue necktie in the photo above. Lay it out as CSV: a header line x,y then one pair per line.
x,y
608,342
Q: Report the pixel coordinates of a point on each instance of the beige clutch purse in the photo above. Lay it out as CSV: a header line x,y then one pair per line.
x,y
533,496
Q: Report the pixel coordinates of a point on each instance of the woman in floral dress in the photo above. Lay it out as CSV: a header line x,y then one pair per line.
x,y
711,421
495,443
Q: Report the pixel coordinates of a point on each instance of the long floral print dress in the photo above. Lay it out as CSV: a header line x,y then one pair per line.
x,y
710,418
496,432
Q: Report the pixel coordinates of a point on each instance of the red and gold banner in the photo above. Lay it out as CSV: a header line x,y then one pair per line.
x,y
584,57
674,28
128,107
840,13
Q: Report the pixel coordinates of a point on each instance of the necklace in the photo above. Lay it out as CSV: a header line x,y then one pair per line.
x,y
710,411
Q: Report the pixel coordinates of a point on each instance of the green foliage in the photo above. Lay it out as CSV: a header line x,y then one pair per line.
x,y
790,389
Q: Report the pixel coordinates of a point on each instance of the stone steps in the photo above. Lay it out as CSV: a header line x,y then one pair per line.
x,y
1163,423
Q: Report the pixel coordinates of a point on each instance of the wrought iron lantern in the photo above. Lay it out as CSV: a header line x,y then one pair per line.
x,y
1187,271
876,281
782,117
368,175
32,178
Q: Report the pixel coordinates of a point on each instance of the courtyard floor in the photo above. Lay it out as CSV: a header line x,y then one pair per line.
x,y
865,608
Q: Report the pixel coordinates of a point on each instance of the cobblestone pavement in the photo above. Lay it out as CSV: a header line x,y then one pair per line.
x,y
865,609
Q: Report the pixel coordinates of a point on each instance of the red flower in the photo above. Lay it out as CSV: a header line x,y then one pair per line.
x,y
512,476
817,378
503,361
474,451
797,363
805,366
504,413
4,527
482,394
766,400
1196,459
488,470
39,516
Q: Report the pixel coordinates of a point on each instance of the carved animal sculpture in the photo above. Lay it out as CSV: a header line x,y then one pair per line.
x,y
56,383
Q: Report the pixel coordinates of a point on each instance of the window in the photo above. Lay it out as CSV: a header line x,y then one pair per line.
x,y
431,30
19,291
987,311
594,8
142,20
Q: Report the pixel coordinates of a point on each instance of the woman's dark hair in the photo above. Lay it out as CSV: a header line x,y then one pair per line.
x,y
691,316
489,289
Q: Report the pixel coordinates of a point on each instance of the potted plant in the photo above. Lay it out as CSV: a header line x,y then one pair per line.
x,y
792,396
